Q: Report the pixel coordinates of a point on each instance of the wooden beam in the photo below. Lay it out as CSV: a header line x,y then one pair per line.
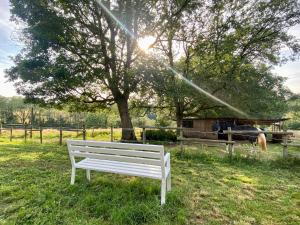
x,y
206,140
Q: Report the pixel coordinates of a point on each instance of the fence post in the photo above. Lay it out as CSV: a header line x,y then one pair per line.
x,y
41,135
230,144
60,135
25,132
11,129
30,132
83,132
111,133
144,135
285,146
181,137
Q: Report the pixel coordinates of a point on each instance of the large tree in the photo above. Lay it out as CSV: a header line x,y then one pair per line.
x,y
227,48
77,53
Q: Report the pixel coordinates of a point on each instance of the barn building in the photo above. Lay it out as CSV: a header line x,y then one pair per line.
x,y
204,127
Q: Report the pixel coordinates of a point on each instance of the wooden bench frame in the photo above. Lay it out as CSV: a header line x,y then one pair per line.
x,y
122,158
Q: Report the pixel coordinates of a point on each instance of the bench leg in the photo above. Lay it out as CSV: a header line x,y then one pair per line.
x,y
169,182
163,192
88,175
73,175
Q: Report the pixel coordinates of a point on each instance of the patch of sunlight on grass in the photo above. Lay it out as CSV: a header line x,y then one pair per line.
x,y
29,156
245,179
5,158
12,148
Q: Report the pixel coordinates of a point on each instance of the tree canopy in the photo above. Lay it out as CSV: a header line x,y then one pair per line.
x,y
77,54
228,49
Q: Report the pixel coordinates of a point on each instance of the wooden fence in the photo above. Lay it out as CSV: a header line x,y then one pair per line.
x,y
229,143
285,136
28,131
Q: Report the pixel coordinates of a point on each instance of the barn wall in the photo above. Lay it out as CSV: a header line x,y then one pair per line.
x,y
200,126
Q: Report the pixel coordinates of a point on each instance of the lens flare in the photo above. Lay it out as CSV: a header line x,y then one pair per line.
x,y
115,19
179,75
205,92
146,42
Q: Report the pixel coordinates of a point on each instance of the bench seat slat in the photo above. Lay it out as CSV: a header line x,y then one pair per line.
x,y
113,151
156,148
114,168
131,166
117,158
120,164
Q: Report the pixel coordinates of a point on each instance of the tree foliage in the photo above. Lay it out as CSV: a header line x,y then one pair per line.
x,y
228,48
294,112
13,110
77,54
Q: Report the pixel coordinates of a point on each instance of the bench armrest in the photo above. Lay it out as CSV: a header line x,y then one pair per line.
x,y
167,158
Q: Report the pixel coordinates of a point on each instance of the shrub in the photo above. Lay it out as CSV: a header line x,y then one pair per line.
x,y
162,122
293,125
96,120
160,135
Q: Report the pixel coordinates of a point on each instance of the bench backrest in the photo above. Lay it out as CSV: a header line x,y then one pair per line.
x,y
113,151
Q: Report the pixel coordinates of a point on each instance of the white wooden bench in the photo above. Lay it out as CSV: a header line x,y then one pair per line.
x,y
129,159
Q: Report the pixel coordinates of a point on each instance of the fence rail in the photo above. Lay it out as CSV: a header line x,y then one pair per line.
x,y
256,132
293,144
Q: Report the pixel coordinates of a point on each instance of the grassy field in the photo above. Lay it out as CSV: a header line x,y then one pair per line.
x,y
208,188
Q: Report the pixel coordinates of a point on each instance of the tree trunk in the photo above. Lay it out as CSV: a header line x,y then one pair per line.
x,y
179,120
127,128
179,114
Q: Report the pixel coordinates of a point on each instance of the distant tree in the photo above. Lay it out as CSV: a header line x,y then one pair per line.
x,y
3,112
96,120
20,110
294,112
14,110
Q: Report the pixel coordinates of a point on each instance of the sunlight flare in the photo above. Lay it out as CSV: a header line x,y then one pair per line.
x,y
146,42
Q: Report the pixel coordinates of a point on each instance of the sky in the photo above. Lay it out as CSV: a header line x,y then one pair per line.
x,y
10,46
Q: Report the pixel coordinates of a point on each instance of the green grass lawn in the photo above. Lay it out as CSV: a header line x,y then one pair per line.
x,y
207,188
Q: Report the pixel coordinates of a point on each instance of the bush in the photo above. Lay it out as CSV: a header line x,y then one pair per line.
x,y
293,125
160,135
98,119
162,122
